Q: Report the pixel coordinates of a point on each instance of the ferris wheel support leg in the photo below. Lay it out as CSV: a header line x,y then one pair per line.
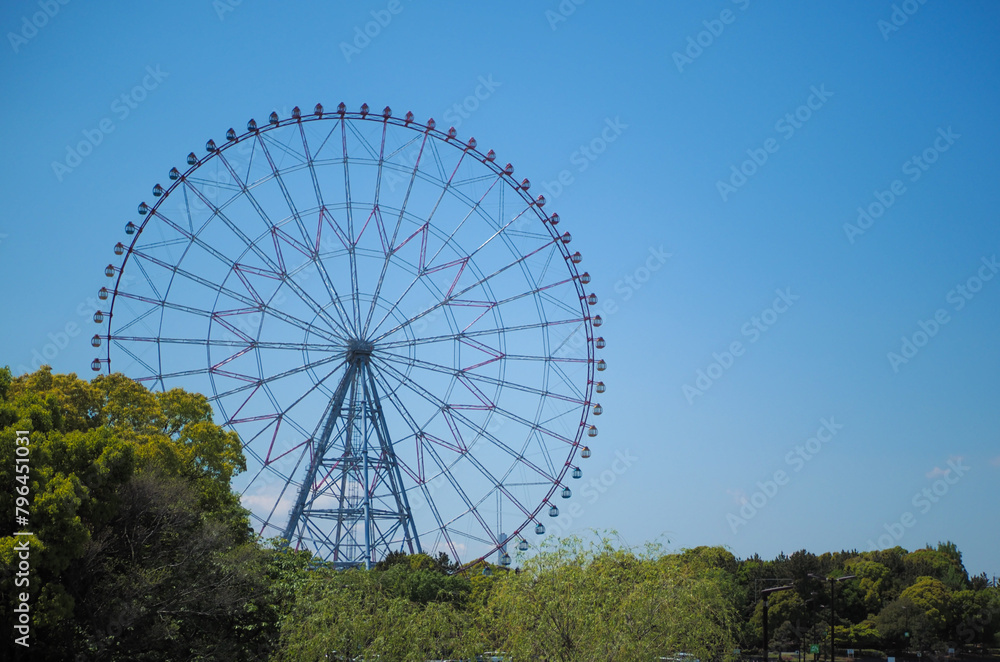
x,y
395,478
345,539
369,552
319,450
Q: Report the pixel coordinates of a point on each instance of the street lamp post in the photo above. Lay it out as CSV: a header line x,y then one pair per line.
x,y
764,593
832,607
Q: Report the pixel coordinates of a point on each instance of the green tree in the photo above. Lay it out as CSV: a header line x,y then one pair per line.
x,y
391,614
945,566
141,551
872,582
923,610
593,601
860,635
902,624
789,617
975,618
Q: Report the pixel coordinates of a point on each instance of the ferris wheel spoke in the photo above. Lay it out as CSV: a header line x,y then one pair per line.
x,y
265,138
333,130
406,144
161,376
135,357
451,337
457,413
284,413
277,269
549,260
444,468
277,502
463,261
378,172
255,304
391,246
458,491
460,374
396,303
364,141
343,325
166,243
455,296
321,205
542,290
312,173
497,485
278,377
466,372
209,342
352,249
427,224
376,210
474,209
138,318
194,278
185,208
501,231
284,190
192,238
272,229
416,473
546,295
442,528
494,381
376,213
148,279
266,462
248,244
545,359
567,379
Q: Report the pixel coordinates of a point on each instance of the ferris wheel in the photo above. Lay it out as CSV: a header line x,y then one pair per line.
x,y
394,327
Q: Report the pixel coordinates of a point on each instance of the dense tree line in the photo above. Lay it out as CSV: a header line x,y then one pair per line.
x,y
142,552
922,601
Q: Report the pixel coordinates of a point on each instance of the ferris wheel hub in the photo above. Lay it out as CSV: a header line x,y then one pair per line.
x,y
357,348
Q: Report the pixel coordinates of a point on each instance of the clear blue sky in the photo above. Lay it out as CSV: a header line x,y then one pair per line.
x,y
648,111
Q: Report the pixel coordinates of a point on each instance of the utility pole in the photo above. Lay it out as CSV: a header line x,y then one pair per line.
x,y
832,607
764,594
